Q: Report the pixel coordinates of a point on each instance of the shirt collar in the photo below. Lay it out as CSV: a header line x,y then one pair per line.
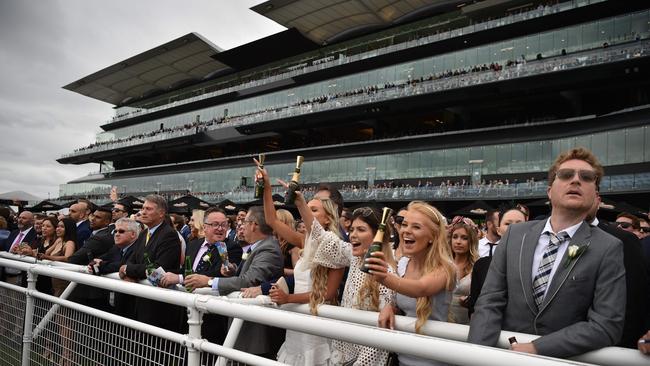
x,y
153,229
571,230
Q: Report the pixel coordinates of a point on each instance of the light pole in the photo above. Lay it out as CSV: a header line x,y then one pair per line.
x,y
158,189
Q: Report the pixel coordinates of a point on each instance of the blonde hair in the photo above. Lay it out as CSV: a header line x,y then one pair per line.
x,y
285,217
438,256
198,228
320,274
472,238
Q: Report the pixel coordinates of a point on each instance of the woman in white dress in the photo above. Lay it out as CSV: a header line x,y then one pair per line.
x,y
361,292
463,241
314,284
426,275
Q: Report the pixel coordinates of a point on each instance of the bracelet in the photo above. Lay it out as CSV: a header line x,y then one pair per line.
x,y
399,283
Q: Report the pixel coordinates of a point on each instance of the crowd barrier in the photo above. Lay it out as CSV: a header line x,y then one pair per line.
x,y
40,329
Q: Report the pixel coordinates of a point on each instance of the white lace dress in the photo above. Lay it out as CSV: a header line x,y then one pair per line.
x,y
458,313
300,349
334,252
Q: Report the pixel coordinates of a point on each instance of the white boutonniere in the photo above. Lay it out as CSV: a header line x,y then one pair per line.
x,y
574,252
244,256
207,257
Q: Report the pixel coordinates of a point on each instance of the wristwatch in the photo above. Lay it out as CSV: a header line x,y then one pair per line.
x,y
210,282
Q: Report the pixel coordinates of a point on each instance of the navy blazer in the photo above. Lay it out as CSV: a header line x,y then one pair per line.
x,y
30,238
83,233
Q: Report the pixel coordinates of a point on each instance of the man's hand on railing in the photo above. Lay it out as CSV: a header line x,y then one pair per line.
x,y
251,292
169,279
196,281
524,347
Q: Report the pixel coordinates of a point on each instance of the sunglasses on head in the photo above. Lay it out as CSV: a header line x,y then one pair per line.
x,y
587,176
364,212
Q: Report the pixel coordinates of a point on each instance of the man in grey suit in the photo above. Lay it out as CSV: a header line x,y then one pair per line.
x,y
261,262
559,278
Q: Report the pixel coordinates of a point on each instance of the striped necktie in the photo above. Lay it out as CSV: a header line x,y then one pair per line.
x,y
543,275
148,237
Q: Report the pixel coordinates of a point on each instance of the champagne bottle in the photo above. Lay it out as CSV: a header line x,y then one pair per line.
x,y
188,271
293,185
149,268
378,241
259,180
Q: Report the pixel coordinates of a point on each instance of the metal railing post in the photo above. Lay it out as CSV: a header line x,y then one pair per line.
x,y
231,338
29,315
194,322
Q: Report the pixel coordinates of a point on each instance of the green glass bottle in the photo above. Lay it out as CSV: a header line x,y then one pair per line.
x,y
149,268
294,185
259,180
188,271
378,241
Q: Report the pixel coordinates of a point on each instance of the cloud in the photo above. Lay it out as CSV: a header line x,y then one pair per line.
x,y
48,44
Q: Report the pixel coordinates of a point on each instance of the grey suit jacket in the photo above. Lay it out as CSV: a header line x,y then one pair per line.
x,y
263,264
584,307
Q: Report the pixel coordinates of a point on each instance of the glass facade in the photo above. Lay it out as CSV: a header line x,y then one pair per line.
x,y
615,147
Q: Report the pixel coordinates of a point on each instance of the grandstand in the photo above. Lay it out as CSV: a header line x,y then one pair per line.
x,y
398,98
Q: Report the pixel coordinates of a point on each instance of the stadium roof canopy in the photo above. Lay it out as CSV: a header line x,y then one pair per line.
x,y
175,63
326,21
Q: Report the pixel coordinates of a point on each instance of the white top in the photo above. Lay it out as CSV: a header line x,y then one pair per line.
x,y
333,252
542,243
484,247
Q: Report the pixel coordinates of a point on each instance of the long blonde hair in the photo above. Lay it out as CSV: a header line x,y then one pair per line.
x,y
285,217
472,238
370,288
438,256
320,274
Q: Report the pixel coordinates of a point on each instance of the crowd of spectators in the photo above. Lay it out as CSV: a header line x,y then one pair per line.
x,y
451,269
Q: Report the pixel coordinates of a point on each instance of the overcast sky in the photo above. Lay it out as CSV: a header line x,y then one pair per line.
x,y
45,45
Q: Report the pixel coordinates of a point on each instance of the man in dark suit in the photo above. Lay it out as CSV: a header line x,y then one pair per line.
x,y
79,212
125,234
262,262
158,244
559,278
24,234
99,242
205,260
637,305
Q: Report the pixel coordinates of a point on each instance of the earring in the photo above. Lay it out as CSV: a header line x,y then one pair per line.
x,y
430,241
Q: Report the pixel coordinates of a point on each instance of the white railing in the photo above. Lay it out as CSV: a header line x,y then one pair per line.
x,y
444,342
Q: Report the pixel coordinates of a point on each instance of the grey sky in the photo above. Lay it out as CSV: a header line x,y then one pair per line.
x,y
47,44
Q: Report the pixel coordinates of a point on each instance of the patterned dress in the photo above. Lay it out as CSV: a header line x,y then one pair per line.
x,y
333,252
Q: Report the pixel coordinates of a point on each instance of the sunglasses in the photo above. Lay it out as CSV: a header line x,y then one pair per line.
x,y
399,219
645,229
364,212
587,176
119,231
624,225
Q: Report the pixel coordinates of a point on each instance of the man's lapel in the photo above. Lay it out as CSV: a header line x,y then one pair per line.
x,y
581,237
528,245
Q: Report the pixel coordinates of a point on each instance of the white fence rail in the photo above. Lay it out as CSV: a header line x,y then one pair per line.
x,y
78,335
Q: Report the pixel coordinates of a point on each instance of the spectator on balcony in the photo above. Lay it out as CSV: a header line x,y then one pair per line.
x,y
532,286
426,275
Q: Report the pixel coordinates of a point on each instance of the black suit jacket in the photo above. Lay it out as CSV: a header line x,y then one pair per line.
x,y
124,304
95,246
164,250
479,272
30,238
636,282
83,233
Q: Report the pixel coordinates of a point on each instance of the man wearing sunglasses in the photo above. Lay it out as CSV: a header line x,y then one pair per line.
x,y
558,278
628,222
